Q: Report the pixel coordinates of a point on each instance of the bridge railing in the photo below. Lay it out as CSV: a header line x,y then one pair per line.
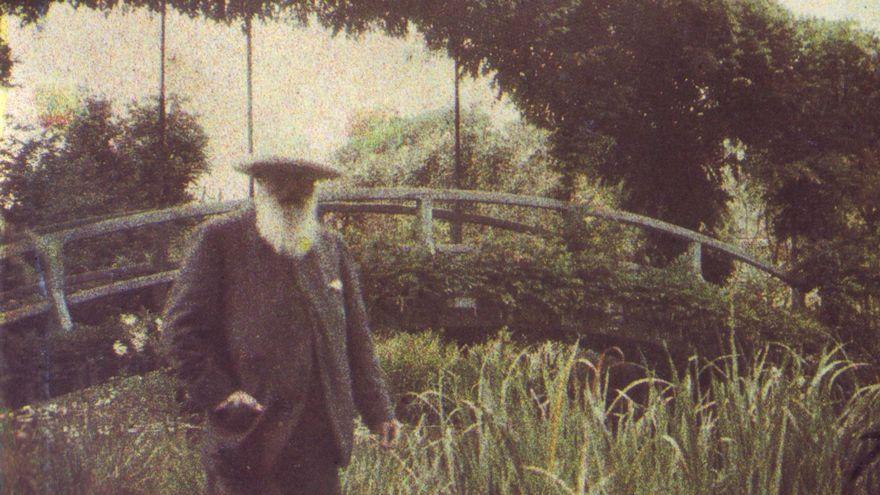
x,y
49,243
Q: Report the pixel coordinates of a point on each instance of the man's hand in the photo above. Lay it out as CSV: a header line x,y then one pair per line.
x,y
240,398
238,411
388,431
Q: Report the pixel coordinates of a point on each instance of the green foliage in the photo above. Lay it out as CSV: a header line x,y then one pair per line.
x,y
414,362
504,423
647,93
98,164
86,356
101,163
497,419
540,290
392,151
125,436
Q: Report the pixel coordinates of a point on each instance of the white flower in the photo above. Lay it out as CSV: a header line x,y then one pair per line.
x,y
128,319
158,322
119,348
336,284
138,338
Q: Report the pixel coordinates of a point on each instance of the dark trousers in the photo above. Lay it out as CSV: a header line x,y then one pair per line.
x,y
308,465
303,476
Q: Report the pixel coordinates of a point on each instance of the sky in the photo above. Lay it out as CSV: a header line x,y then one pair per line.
x,y
308,84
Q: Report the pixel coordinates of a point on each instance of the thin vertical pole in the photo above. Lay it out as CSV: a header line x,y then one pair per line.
x,y
162,80
457,170
248,31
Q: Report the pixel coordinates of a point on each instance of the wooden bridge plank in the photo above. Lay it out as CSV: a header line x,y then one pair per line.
x,y
78,279
439,213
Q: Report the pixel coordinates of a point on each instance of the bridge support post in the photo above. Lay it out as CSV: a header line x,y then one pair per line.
x,y
49,251
695,259
426,223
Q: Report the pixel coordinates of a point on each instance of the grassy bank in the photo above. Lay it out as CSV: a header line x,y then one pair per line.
x,y
495,419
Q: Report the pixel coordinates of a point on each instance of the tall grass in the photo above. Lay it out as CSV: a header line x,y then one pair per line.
x,y
499,419
503,421
122,438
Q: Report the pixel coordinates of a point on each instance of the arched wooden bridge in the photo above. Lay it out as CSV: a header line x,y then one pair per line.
x,y
48,243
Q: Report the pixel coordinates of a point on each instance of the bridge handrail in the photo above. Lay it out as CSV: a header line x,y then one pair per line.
x,y
126,222
49,244
117,223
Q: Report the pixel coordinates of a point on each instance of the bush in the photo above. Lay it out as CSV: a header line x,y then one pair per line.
x,y
539,290
88,355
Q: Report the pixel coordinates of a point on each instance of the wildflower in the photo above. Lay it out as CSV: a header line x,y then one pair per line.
x,y
138,338
128,319
119,348
158,322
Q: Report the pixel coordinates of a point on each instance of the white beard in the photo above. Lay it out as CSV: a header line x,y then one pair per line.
x,y
290,230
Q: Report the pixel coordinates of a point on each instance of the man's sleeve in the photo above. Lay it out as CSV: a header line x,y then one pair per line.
x,y
368,381
190,325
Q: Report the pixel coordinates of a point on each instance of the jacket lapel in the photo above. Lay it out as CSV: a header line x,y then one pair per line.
x,y
314,274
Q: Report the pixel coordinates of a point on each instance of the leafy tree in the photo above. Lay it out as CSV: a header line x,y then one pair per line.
x,y
810,132
101,163
665,83
386,150
647,94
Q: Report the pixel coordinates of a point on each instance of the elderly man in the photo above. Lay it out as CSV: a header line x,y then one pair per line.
x,y
267,328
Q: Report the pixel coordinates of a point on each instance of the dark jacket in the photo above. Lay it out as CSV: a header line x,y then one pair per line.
x,y
225,327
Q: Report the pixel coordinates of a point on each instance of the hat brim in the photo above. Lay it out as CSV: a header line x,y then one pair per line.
x,y
279,167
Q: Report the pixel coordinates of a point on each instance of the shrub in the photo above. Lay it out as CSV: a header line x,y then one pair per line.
x,y
88,355
540,290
